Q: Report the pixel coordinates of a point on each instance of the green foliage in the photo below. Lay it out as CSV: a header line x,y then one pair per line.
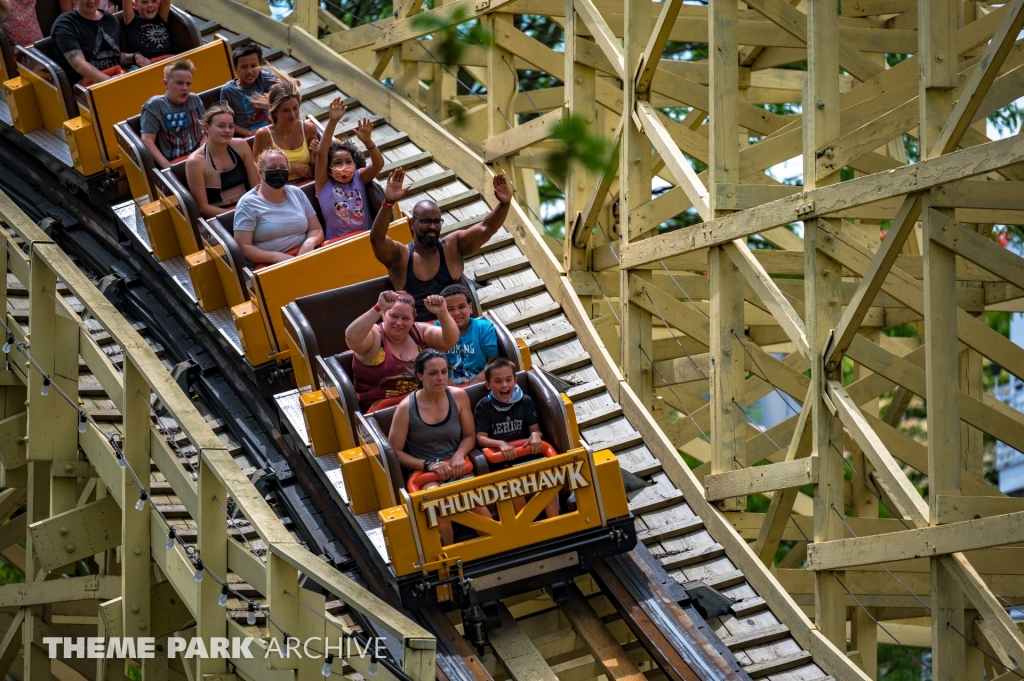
x,y
581,146
134,672
449,42
897,664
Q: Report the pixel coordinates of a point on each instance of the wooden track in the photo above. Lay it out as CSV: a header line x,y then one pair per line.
x,y
666,337
533,309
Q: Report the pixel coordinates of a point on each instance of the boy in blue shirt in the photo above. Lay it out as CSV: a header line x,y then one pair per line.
x,y
478,341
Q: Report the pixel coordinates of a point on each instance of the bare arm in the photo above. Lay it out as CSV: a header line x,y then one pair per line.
x,y
337,110
260,142
149,140
197,187
5,9
255,254
442,337
397,436
360,335
388,251
459,462
242,132
165,9
314,236
471,239
66,5
364,131
128,14
84,68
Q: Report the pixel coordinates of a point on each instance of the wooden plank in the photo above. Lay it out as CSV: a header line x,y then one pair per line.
x,y
677,164
521,136
77,533
873,279
595,633
981,79
825,200
517,653
761,479
953,508
770,294
795,23
102,587
917,543
978,249
605,39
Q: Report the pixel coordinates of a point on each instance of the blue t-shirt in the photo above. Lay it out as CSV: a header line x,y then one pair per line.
x,y
469,356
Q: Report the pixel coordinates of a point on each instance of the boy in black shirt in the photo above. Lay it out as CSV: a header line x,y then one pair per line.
x,y
507,414
145,26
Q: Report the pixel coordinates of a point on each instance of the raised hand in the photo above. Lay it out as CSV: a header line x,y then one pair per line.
x,y
395,188
364,129
387,300
337,109
502,189
314,146
435,305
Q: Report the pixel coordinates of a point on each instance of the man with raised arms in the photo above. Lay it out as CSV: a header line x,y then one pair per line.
x,y
431,262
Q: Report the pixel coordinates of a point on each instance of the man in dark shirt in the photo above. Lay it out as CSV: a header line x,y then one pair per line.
x,y
507,414
431,262
87,41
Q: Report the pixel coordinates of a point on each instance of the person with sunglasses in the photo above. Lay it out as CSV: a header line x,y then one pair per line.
x,y
431,262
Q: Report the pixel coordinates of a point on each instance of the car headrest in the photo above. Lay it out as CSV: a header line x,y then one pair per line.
x,y
183,32
329,313
47,12
550,410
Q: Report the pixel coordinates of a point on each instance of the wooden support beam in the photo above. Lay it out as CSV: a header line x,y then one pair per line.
x,y
521,136
761,479
977,87
953,508
795,23
11,644
976,248
517,653
102,587
603,35
652,55
921,542
770,294
873,279
77,534
595,633
586,220
677,164
825,200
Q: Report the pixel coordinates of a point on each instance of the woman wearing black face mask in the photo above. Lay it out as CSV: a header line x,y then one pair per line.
x,y
274,221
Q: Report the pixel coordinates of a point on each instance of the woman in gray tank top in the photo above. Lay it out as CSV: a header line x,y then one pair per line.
x,y
433,430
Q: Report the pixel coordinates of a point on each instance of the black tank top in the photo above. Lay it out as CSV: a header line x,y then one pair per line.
x,y
229,179
420,289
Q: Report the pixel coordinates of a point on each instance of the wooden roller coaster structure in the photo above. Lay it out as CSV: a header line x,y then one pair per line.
x,y
684,329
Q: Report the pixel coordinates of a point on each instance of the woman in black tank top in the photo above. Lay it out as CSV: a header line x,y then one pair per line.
x,y
420,289
222,170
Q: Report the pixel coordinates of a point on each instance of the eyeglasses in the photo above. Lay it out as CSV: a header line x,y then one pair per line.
x,y
439,222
